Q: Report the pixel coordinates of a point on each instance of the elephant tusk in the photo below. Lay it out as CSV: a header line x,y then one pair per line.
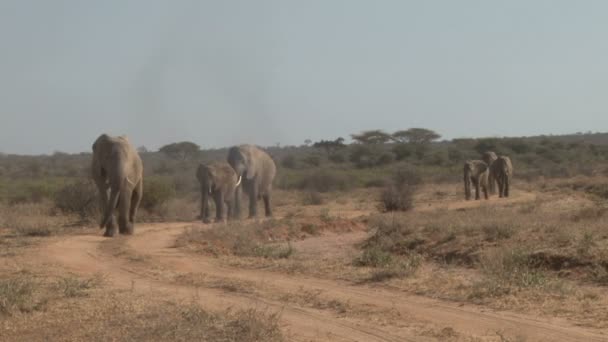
x,y
239,182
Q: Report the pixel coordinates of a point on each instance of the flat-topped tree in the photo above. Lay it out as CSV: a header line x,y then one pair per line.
x,y
376,136
181,150
415,136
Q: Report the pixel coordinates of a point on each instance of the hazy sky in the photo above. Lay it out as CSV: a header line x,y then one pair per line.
x,y
225,72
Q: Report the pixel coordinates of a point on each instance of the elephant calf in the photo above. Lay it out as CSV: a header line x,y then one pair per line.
x,y
219,181
502,171
476,172
117,169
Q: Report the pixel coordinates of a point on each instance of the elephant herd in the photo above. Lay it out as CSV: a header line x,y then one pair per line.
x,y
486,173
117,171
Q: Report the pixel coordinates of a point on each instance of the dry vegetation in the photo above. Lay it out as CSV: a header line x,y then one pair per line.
x,y
399,225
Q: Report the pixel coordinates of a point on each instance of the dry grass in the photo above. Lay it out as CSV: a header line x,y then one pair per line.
x,y
100,315
34,220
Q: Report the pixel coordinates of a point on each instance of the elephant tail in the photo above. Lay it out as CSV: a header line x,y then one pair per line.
x,y
111,205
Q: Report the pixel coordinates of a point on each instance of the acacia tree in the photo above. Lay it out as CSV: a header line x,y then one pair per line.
x,y
330,146
181,150
415,136
375,136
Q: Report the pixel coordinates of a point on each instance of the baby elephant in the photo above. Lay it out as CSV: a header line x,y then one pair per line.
x,y
219,181
476,173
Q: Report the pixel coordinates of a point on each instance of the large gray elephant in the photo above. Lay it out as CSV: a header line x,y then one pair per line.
x,y
489,157
476,172
117,170
502,171
219,181
257,170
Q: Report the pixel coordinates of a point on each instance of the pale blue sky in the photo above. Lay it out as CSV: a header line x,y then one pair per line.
x,y
225,72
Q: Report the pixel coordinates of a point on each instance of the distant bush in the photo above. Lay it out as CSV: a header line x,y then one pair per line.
x,y
157,191
337,158
399,195
79,198
289,162
325,181
312,198
402,151
313,160
385,159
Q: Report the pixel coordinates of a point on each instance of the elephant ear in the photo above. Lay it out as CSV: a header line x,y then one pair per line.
x,y
251,164
482,167
200,172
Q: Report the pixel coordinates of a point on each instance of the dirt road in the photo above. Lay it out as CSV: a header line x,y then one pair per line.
x,y
148,263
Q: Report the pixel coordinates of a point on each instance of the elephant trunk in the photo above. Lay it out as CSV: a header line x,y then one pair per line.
x,y
111,205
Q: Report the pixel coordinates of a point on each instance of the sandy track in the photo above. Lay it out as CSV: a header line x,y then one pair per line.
x,y
148,263
84,255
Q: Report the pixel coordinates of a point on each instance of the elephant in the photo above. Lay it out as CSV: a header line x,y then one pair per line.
x,y
502,171
489,157
219,181
117,168
476,172
257,170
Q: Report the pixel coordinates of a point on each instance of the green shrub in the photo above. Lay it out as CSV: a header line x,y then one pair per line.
x,y
313,160
325,181
289,162
79,198
402,151
157,191
312,198
337,158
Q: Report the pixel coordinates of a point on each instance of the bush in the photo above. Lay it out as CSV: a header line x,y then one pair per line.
x,y
313,161
399,196
337,158
157,191
289,162
312,198
402,151
324,181
79,198
385,159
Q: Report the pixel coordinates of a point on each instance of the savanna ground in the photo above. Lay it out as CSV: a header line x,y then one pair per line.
x,y
332,265
529,268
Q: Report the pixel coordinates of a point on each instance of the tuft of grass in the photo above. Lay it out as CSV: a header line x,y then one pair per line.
x,y
74,287
272,251
312,198
310,228
496,232
507,271
18,294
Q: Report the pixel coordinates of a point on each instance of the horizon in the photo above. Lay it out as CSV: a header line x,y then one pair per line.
x,y
163,72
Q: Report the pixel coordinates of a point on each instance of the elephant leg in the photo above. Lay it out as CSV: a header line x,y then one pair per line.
x,y
501,187
124,204
219,206
236,205
507,184
205,214
253,201
476,190
135,201
485,191
229,210
266,198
